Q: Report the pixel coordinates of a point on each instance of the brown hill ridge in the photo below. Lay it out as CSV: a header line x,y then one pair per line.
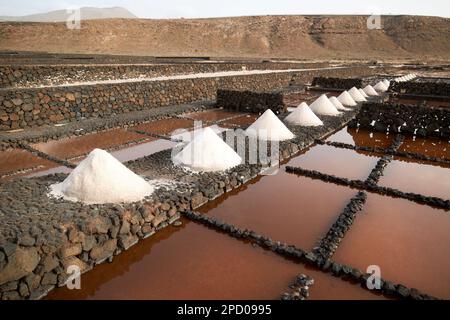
x,y
301,37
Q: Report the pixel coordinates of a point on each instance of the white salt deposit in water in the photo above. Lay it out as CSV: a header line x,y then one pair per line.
x,y
323,106
101,178
207,152
356,95
338,104
269,127
346,99
380,87
369,90
303,116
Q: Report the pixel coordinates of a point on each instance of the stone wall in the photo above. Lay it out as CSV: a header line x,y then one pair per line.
x,y
337,83
31,107
34,258
422,88
39,75
407,119
249,101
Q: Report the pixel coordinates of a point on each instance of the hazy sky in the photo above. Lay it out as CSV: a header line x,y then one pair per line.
x,y
212,8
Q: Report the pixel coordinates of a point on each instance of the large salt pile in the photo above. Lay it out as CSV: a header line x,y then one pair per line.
x,y
269,127
207,152
380,86
369,90
323,106
363,93
338,104
356,95
346,99
101,178
303,116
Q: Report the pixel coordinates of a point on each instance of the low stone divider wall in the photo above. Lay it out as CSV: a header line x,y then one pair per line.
x,y
31,107
407,119
355,71
337,83
39,75
249,101
345,272
422,88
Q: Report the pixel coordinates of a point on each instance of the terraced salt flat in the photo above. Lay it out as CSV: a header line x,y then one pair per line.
x,y
407,240
193,262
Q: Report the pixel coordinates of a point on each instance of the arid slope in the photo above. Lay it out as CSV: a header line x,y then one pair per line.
x,y
308,37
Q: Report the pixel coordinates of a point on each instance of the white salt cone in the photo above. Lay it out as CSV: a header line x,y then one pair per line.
x,y
101,178
303,116
369,90
356,95
207,152
380,87
187,136
300,105
323,106
363,93
269,127
338,104
346,99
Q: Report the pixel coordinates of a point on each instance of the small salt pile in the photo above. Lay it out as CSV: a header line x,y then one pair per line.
x,y
207,152
324,107
369,90
338,104
101,178
303,116
356,95
363,93
380,86
386,82
269,127
187,136
346,99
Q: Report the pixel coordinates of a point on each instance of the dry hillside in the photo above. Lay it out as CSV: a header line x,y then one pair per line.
x,y
262,36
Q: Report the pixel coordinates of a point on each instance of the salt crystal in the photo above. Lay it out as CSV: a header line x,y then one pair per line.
x,y
369,90
207,152
380,86
269,127
323,106
338,104
363,93
303,116
101,178
356,95
346,99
